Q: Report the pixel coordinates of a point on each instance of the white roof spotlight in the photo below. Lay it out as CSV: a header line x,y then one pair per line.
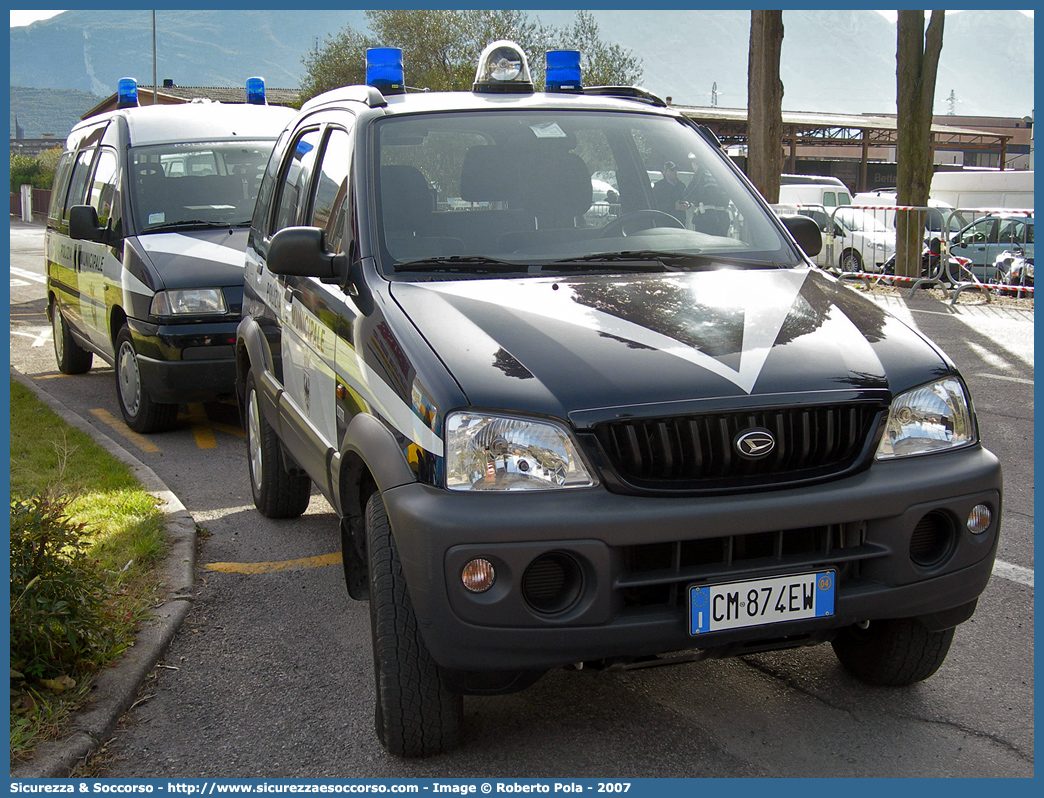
x,y
503,68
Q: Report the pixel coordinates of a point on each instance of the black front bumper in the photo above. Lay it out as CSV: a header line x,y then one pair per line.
x,y
186,362
626,609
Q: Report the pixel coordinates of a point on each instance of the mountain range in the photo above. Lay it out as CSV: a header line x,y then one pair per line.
x,y
832,61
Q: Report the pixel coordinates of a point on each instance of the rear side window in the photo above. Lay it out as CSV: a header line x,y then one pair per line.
x,y
60,187
293,189
78,184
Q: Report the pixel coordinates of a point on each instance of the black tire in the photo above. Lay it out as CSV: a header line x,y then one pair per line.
x,y
892,653
851,261
277,493
71,357
416,715
139,411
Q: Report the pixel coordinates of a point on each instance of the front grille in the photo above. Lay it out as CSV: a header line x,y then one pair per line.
x,y
656,574
698,452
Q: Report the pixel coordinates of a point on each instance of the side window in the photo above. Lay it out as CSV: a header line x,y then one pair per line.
x,y
329,210
104,191
78,184
843,198
293,189
829,199
268,184
60,186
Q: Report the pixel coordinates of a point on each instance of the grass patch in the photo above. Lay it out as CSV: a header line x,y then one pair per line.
x,y
106,520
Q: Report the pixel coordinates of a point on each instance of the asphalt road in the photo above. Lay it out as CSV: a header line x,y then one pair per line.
x,y
271,674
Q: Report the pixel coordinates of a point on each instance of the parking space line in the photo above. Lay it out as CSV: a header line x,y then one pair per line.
x,y
250,568
201,427
1013,573
1020,380
140,441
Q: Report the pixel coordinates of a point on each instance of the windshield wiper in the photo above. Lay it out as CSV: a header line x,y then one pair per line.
x,y
637,260
460,263
185,225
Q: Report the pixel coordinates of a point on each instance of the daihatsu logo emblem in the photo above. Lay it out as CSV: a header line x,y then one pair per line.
x,y
755,443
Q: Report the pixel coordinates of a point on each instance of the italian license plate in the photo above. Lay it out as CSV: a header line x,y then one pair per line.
x,y
757,602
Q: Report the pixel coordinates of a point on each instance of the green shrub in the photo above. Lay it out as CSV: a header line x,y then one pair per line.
x,y
58,616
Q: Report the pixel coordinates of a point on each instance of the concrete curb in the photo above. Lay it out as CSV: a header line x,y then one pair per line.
x,y
115,688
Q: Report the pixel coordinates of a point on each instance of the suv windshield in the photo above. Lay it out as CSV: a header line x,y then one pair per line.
x,y
196,184
485,191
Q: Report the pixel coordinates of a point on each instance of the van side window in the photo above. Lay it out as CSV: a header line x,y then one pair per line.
x,y
293,190
60,186
330,207
78,184
829,198
843,198
104,193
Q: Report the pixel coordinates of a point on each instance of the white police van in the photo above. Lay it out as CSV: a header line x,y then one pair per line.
x,y
556,438
144,246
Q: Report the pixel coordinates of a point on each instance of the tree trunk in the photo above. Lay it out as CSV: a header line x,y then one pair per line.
x,y
917,62
765,103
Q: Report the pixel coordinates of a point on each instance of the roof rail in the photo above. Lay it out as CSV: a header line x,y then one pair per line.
x,y
360,94
627,93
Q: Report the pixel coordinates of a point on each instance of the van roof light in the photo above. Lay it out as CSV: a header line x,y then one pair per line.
x,y
503,68
127,93
384,70
255,91
563,71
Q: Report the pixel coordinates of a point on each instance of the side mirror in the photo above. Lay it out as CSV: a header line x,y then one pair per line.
x,y
806,232
301,251
83,224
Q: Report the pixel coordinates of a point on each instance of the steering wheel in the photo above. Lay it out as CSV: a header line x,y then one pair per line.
x,y
628,224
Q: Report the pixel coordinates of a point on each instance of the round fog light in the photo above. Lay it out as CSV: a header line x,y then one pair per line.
x,y
478,575
979,519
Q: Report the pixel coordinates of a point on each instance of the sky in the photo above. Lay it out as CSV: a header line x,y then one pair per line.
x,y
26,17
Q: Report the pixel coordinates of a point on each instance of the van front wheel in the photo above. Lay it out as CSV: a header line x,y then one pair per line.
x,y
139,411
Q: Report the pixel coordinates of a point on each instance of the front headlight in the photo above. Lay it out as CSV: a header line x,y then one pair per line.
x,y
189,302
928,419
486,452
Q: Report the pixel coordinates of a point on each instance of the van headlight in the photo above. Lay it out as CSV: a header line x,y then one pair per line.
x,y
931,418
487,452
189,302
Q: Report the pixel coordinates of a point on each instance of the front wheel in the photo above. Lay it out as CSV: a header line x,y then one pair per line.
x,y
139,411
851,261
277,493
416,715
71,357
892,653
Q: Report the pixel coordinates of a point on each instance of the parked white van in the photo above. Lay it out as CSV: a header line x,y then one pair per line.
x,y
853,240
984,189
145,248
813,190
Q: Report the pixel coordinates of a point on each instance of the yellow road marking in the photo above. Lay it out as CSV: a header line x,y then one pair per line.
x,y
51,376
140,441
203,428
271,567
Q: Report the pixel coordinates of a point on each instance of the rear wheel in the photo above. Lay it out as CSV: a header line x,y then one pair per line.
x,y
892,653
139,411
277,493
71,357
416,715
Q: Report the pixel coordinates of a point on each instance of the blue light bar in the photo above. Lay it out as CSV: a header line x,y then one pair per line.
x,y
384,70
255,91
563,71
127,93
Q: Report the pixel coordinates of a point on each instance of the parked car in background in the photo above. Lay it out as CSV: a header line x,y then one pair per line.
x,y
853,240
984,240
813,190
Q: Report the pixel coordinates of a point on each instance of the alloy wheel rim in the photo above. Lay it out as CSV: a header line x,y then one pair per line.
x,y
130,380
253,440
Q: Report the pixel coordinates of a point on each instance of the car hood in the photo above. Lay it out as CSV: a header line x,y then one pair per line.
x,y
196,258
557,346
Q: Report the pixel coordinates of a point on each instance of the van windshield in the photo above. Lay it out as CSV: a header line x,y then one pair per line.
x,y
538,191
175,186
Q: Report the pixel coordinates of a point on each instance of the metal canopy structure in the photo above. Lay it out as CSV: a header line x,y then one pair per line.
x,y
840,130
